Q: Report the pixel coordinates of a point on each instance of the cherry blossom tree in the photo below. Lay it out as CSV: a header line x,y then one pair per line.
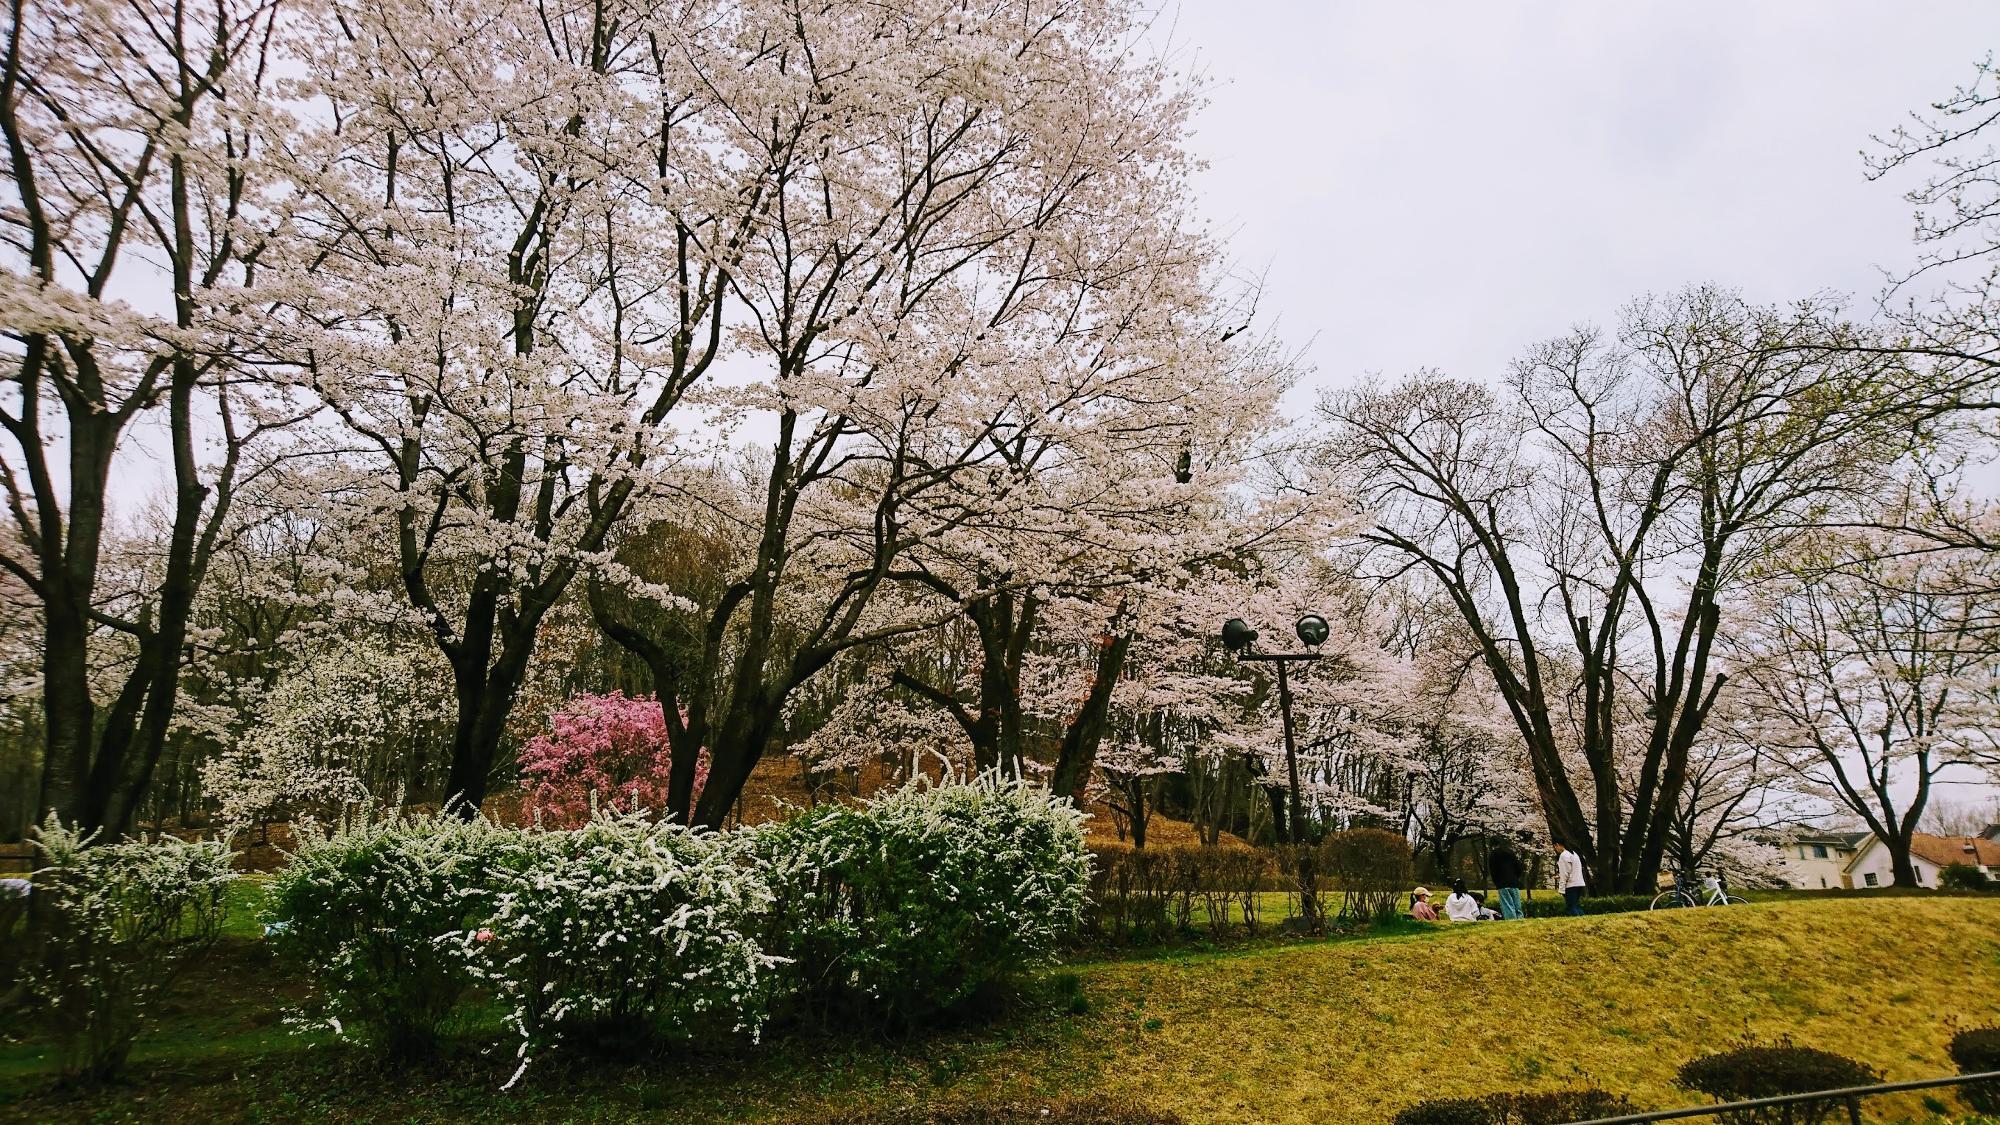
x,y
134,180
967,267
1734,793
1464,775
508,262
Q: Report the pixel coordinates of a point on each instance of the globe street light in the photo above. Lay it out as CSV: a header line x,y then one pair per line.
x,y
1239,638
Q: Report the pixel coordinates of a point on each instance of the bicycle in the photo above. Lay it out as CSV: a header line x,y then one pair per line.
x,y
1684,894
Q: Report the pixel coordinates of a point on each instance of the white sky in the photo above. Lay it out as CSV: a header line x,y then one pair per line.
x,y
1440,184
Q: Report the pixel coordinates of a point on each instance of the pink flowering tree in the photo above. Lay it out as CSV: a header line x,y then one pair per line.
x,y
613,747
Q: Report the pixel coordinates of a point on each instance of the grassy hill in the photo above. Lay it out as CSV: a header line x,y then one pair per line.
x,y
1328,1032
1350,1032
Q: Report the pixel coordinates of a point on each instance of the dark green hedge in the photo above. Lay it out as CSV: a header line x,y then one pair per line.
x,y
1551,1108
1977,1051
1549,904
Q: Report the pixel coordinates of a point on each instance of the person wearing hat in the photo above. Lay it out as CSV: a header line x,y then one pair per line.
x,y
1420,905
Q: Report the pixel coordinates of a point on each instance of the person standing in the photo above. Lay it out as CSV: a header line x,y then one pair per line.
x,y
1506,870
1569,879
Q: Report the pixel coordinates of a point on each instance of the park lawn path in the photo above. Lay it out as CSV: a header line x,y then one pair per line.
x,y
1351,1032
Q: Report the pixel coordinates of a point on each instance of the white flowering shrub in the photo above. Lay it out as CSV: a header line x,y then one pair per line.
x,y
119,922
346,714
913,904
624,933
374,913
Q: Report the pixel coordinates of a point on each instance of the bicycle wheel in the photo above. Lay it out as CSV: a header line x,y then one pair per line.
x,y
1672,900
1732,900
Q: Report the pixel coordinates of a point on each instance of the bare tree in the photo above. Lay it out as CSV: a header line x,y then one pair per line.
x,y
1588,521
1956,212
1871,674
1947,817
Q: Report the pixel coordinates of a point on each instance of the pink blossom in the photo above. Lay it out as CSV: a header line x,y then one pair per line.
x,y
614,746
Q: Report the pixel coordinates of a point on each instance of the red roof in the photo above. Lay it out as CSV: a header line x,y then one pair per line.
x,y
1946,850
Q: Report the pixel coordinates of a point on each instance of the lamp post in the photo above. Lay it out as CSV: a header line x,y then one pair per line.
x,y
1239,638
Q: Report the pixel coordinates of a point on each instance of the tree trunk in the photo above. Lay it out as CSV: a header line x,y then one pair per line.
x,y
1278,798
67,709
485,690
1078,753
739,744
1004,622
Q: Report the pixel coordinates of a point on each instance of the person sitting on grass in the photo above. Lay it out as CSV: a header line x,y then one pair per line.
x,y
1461,906
1420,906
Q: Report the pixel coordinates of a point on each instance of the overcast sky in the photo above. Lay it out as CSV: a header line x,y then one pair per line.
x,y
1442,184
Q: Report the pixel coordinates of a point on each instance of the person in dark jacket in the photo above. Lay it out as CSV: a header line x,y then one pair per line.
x,y
1507,869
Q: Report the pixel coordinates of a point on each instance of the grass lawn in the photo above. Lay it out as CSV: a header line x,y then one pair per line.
x,y
1343,1031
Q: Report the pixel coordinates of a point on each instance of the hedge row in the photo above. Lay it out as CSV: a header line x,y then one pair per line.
x,y
1139,895
1550,904
625,932
1516,1109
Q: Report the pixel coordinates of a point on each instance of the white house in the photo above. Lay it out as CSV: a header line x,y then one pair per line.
x,y
1818,860
1929,854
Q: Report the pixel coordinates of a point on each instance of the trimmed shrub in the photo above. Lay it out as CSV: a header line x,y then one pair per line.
x,y
1963,877
1553,1108
120,922
1447,1111
1770,1070
626,933
1096,1110
909,906
1132,894
372,912
1550,905
1372,868
1977,1051
1564,1106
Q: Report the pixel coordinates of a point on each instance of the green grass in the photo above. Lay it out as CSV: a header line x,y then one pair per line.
x,y
1335,1031
244,906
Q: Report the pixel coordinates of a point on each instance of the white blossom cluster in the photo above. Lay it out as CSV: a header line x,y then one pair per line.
x,y
627,927
623,927
373,911
121,921
327,728
924,895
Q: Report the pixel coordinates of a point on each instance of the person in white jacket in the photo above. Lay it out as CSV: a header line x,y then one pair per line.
x,y
1569,879
1462,907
